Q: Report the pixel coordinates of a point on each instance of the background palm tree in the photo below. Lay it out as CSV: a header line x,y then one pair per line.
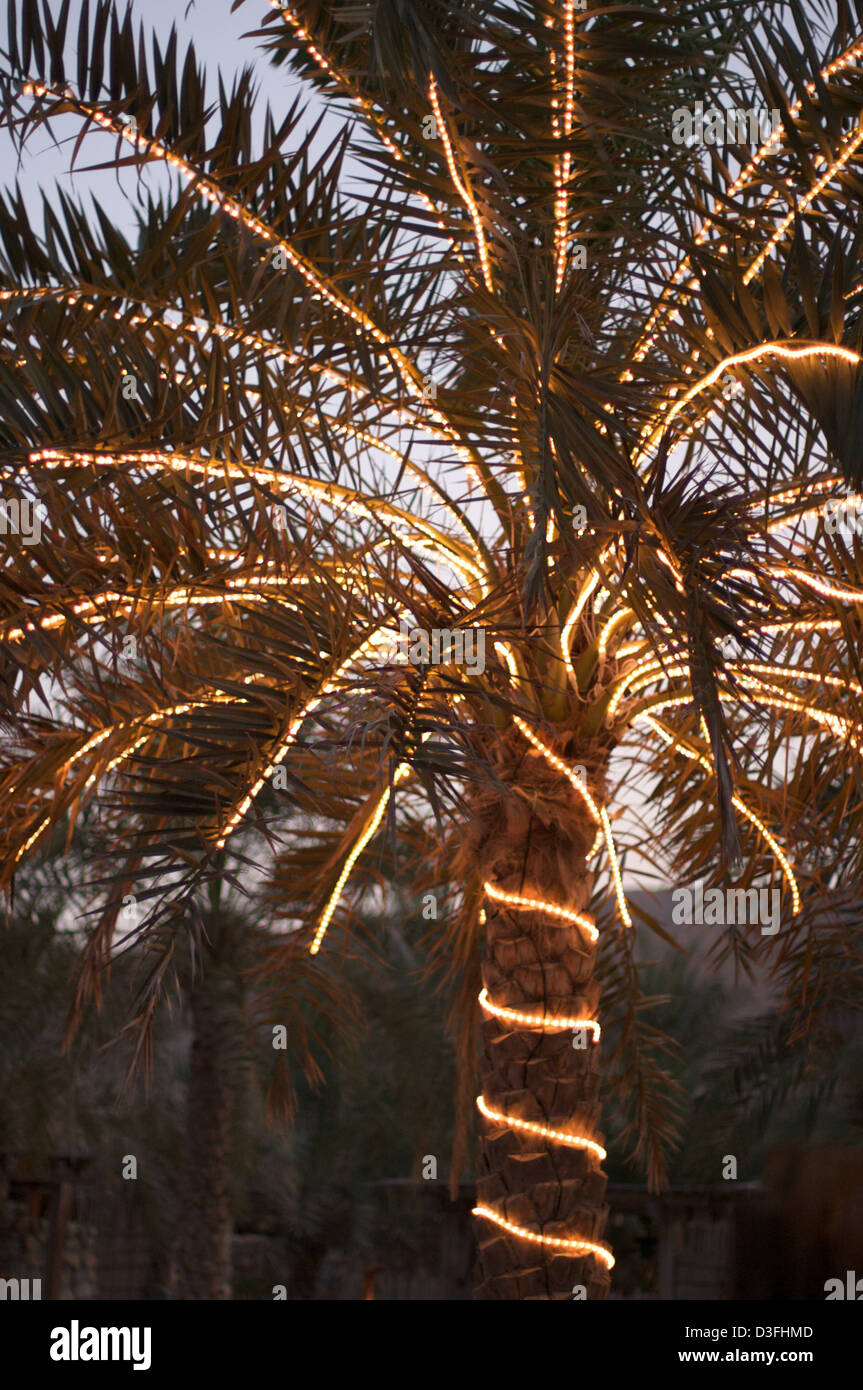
x,y
311,1185
524,365
76,1090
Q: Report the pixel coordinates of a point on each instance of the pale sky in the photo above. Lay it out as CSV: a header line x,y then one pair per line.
x,y
217,36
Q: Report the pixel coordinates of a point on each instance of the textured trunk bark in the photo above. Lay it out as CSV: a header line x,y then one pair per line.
x,y
203,1255
541,966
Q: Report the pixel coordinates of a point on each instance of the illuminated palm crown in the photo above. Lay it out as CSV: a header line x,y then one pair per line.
x,y
540,373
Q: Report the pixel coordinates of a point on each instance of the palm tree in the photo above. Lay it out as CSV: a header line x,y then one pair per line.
x,y
503,359
196,1130
226,1011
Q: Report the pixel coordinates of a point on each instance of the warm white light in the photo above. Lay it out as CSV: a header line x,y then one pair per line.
x,y
548,1023
578,1247
572,1141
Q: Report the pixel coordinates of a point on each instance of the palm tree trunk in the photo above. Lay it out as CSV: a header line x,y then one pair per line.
x,y
203,1255
533,846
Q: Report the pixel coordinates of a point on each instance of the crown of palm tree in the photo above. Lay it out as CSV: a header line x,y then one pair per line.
x,y
503,359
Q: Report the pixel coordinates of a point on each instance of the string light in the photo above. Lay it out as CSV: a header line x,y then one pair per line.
x,y
824,587
801,625
125,604
206,187
573,1141
766,694
367,108
739,804
840,728
202,327
355,853
98,738
328,687
588,587
846,59
797,673
608,628
564,164
786,351
345,499
851,143
564,914
461,185
622,906
579,1247
542,1022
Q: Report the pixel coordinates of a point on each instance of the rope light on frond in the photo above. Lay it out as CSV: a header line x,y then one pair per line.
x,y
824,587
286,742
323,62
647,672
757,668
800,490
210,190
340,498
785,351
636,647
685,749
784,862
201,327
127,753
168,712
207,188
621,616
370,829
186,707
849,146
622,905
651,668
800,625
563,165
826,488
461,186
762,694
765,693
584,594
123,603
664,308
746,671
367,108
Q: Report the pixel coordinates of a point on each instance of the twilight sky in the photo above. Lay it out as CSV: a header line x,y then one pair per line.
x,y
217,36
